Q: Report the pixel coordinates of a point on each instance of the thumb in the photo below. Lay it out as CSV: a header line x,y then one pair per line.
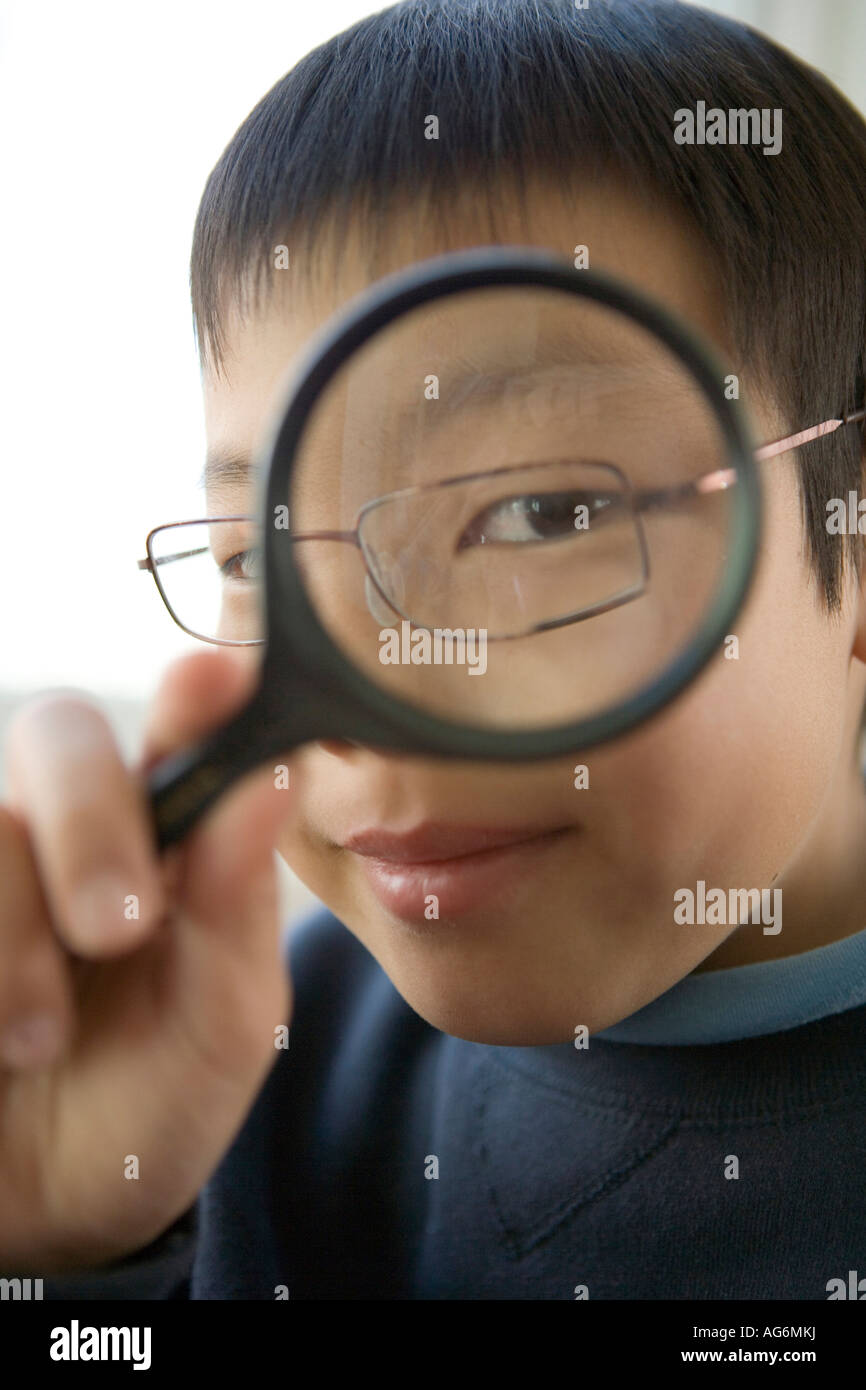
x,y
229,856
221,879
197,694
235,839
231,987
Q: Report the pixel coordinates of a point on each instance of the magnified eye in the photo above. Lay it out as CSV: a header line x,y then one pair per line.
x,y
540,517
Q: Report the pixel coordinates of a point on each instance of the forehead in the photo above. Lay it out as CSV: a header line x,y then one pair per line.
x,y
644,243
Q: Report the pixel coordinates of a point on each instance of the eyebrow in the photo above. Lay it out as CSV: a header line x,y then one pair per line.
x,y
515,383
228,467
563,347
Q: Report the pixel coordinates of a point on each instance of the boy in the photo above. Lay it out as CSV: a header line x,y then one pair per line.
x,y
436,1129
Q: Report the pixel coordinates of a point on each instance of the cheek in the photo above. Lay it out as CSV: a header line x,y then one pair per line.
x,y
300,844
735,772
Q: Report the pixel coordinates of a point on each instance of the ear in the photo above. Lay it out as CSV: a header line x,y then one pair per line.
x,y
858,648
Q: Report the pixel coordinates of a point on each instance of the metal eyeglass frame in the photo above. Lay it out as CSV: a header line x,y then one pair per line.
x,y
715,481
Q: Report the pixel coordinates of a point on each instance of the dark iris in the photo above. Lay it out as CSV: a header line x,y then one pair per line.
x,y
245,566
535,517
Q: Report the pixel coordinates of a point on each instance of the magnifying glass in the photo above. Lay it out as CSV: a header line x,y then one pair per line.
x,y
507,513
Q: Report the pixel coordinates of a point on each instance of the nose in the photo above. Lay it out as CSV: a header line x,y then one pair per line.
x,y
347,747
337,747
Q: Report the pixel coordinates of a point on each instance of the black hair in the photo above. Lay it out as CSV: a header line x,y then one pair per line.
x,y
542,87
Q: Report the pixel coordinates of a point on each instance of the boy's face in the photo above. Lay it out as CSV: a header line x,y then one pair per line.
x,y
746,781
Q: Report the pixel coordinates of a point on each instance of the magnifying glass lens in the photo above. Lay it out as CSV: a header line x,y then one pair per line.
x,y
509,507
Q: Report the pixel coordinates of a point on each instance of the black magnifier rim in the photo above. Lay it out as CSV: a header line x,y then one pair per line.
x,y
357,707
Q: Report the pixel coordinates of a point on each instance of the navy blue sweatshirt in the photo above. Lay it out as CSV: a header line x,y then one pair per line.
x,y
383,1159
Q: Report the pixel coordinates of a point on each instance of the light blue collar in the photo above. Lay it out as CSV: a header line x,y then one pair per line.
x,y
746,1001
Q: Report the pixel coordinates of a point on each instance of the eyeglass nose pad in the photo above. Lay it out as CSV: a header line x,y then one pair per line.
x,y
380,610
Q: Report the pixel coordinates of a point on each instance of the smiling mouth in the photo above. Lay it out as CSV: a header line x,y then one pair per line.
x,y
437,842
451,871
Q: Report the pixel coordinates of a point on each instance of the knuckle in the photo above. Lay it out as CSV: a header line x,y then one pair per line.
x,y
37,713
53,740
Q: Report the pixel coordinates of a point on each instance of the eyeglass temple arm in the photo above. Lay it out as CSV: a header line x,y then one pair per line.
x,y
793,441
722,478
145,564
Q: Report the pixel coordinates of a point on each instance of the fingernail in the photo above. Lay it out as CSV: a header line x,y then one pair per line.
x,y
30,1041
104,910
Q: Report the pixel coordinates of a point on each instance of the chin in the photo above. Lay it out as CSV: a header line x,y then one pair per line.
x,y
502,1022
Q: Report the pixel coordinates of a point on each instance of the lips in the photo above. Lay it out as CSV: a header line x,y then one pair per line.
x,y
463,870
435,843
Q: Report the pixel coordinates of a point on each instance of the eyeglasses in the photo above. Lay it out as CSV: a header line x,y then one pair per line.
x,y
208,571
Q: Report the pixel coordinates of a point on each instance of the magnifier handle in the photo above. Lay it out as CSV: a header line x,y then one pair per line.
x,y
183,785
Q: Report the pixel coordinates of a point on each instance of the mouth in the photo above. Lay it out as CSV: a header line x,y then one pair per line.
x,y
441,870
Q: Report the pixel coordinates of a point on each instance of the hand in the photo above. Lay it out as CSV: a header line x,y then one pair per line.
x,y
157,1029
